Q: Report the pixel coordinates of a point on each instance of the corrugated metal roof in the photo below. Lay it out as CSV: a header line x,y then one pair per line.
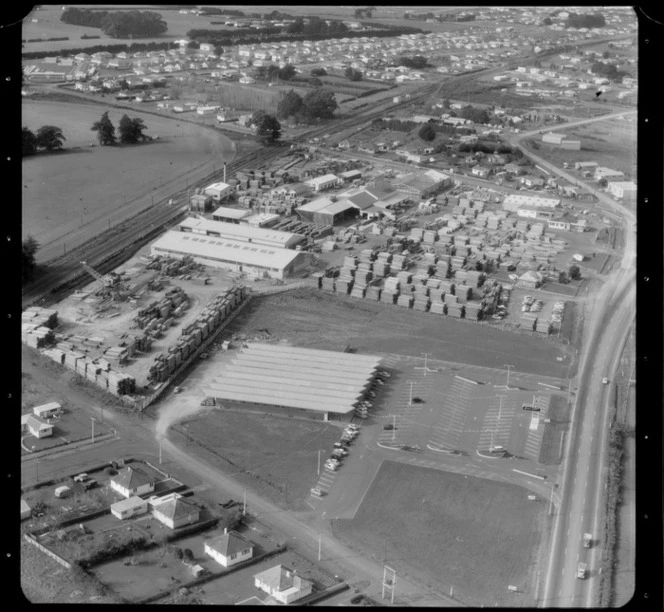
x,y
311,379
231,213
241,232
235,251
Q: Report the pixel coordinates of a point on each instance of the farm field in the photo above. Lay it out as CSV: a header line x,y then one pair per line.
x,y
312,318
473,535
274,456
63,192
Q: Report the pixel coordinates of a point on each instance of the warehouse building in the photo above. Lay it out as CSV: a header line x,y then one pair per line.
x,y
253,259
218,191
321,183
562,141
295,381
241,232
230,215
423,184
513,202
324,211
623,190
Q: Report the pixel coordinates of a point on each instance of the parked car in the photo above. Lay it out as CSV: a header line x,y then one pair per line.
x,y
317,491
81,477
340,445
353,426
605,381
341,451
332,467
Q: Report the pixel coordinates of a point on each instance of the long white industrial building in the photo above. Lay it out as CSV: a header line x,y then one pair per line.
x,y
321,383
241,232
254,260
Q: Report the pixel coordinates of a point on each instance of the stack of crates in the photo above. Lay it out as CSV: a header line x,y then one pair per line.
x,y
390,290
398,262
416,234
373,293
405,300
474,311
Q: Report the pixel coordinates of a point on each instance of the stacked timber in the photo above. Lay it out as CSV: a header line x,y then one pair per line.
x,y
405,300
474,311
373,293
455,310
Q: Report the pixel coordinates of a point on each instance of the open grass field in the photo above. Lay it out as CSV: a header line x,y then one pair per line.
x,y
275,457
85,184
472,535
315,319
610,143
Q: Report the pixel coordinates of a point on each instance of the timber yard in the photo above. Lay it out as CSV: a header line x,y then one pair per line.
x,y
342,313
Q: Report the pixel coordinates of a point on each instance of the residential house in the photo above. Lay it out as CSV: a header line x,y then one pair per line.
x,y
607,173
37,427
229,549
530,280
532,181
481,171
175,511
283,584
623,190
132,481
46,411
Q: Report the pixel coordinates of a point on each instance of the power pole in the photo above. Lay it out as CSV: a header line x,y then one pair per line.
x,y
93,428
319,546
509,367
244,503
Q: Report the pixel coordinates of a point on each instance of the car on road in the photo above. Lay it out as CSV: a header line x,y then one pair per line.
x,y
581,571
177,390
389,427
204,355
605,381
418,400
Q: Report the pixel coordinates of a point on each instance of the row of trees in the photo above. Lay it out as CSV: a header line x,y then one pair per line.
x,y
315,25
268,127
596,20
29,249
48,138
608,71
417,62
317,104
364,12
131,130
353,75
118,24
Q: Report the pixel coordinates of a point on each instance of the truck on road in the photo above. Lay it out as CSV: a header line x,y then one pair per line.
x,y
587,540
581,571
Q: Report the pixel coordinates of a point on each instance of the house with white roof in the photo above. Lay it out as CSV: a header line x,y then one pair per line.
x,y
229,549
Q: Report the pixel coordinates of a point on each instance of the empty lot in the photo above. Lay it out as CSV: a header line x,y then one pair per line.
x,y
315,319
473,535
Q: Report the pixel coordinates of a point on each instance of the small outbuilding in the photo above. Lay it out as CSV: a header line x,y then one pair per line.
x,y
26,510
283,584
46,411
38,428
126,508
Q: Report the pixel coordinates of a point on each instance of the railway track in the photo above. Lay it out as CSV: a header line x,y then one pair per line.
x,y
111,248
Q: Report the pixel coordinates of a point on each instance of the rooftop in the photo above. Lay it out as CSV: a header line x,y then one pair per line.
x,y
239,232
225,249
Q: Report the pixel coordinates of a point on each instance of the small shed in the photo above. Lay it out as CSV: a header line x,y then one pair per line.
x,y
126,508
26,510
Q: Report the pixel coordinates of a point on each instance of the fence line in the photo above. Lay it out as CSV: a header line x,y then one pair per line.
x,y
30,538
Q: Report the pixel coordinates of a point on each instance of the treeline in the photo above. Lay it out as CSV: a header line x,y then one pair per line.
x,y
117,24
117,48
440,17
210,10
608,71
229,39
596,20
417,62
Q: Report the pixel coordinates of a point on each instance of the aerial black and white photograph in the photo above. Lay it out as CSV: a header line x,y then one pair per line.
x,y
329,305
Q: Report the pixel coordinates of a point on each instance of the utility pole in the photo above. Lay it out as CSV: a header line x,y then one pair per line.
x,y
410,398
244,503
93,428
319,547
509,367
159,451
394,425
319,452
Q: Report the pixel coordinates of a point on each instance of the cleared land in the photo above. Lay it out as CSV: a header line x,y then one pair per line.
x,y
609,143
275,457
473,535
84,184
315,319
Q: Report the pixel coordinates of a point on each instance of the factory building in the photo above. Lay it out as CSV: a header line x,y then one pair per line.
x,y
241,232
513,202
251,258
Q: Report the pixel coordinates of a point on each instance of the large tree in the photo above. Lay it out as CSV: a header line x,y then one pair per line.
x,y
105,130
29,142
320,103
427,132
133,24
50,137
131,130
269,129
352,74
290,105
29,248
287,72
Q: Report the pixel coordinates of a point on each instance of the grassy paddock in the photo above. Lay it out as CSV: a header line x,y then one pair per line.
x,y
474,535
